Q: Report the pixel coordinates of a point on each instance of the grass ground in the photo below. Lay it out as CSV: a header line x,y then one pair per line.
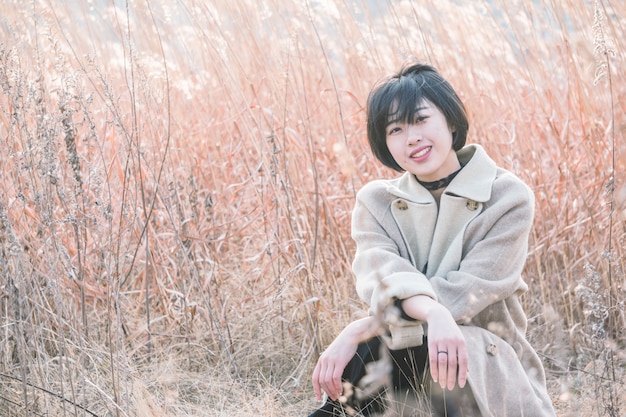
x,y
177,181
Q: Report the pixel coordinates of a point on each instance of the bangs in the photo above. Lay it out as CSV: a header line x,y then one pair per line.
x,y
403,100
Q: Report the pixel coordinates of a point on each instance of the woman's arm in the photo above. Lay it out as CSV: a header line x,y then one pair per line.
x,y
331,364
382,265
495,250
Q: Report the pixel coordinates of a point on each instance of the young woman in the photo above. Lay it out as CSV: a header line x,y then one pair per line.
x,y
439,256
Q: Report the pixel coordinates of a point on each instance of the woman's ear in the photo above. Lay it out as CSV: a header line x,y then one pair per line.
x,y
453,131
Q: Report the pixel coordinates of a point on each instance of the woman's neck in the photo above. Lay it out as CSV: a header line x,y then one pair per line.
x,y
441,183
437,194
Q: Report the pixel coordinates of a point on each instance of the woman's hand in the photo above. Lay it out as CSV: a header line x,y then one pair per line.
x,y
331,364
447,350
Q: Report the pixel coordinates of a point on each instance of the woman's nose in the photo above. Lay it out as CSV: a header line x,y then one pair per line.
x,y
414,134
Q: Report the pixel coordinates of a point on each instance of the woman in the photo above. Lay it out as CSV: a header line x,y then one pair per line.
x,y
439,256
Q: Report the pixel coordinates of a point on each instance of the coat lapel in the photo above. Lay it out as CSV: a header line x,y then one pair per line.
x,y
447,245
416,222
434,236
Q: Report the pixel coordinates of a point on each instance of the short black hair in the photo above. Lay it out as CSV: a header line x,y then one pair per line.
x,y
401,93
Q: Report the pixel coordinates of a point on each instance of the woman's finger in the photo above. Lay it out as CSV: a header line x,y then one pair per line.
x,y
442,364
329,384
337,383
316,382
463,366
451,368
322,377
434,365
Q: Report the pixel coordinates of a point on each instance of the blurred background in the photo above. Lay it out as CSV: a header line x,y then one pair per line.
x,y
178,178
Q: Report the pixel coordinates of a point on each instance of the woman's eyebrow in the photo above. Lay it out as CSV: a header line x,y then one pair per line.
x,y
392,120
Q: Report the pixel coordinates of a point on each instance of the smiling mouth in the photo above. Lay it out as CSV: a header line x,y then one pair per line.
x,y
421,153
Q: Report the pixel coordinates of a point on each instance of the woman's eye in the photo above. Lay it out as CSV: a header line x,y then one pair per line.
x,y
393,130
419,119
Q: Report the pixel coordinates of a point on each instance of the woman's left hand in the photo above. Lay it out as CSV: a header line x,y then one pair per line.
x,y
447,350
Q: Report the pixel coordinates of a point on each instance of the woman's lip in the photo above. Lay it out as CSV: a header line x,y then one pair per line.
x,y
420,153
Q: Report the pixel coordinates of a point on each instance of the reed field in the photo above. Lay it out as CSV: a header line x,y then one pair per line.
x,y
178,178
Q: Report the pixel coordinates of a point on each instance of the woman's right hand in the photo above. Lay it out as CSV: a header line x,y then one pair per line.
x,y
331,364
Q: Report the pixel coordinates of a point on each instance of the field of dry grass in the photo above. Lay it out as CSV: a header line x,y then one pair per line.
x,y
177,181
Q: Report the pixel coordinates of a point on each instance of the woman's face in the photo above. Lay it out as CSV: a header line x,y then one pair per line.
x,y
423,146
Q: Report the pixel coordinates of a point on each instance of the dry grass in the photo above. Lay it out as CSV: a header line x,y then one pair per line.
x,y
178,179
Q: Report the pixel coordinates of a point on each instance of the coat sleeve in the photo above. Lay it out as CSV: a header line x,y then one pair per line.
x,y
494,253
382,272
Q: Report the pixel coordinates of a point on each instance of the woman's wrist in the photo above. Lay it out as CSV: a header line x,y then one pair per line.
x,y
361,330
422,307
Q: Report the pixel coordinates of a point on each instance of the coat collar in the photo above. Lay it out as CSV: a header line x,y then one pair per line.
x,y
474,182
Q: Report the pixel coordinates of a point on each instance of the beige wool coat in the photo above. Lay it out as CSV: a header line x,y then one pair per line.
x,y
468,254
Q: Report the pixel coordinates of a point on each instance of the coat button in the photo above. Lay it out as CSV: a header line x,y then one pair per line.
x,y
492,349
402,205
471,205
